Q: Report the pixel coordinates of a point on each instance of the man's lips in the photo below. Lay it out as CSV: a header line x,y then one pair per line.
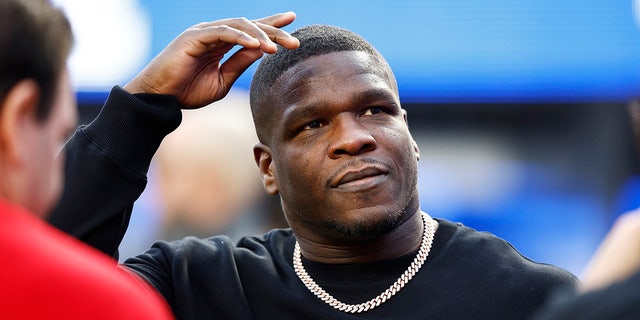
x,y
352,175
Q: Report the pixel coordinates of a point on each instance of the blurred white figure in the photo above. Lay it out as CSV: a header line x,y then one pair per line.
x,y
205,174
117,33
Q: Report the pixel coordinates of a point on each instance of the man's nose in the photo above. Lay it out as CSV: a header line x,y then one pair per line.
x,y
350,137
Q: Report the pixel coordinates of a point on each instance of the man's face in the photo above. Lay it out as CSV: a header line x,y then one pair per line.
x,y
48,137
343,160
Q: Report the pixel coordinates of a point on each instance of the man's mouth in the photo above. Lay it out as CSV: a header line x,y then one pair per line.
x,y
360,178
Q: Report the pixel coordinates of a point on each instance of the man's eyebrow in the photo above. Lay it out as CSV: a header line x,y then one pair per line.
x,y
374,95
292,113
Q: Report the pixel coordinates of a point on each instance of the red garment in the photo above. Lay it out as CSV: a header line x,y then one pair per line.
x,y
46,274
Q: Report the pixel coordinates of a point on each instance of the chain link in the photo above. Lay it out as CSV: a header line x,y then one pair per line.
x,y
416,264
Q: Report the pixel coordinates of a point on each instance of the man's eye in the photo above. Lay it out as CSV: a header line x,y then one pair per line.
x,y
315,124
372,111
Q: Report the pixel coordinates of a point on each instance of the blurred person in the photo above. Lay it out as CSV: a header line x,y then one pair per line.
x,y
46,274
334,145
610,287
205,177
202,180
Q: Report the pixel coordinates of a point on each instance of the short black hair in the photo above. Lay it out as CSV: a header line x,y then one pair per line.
x,y
314,40
36,40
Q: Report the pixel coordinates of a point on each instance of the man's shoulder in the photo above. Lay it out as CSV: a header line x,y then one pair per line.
x,y
476,242
461,237
498,255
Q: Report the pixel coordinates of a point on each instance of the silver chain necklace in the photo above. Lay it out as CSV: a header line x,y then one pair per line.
x,y
418,261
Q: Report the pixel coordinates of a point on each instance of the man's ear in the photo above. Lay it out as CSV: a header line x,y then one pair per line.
x,y
404,116
416,150
262,156
17,120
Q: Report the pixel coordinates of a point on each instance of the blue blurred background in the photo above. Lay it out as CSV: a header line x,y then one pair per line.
x,y
519,107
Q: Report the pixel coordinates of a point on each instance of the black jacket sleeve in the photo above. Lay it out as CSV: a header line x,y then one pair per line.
x,y
106,165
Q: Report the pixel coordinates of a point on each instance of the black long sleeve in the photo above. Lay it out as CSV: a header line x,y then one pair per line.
x,y
106,165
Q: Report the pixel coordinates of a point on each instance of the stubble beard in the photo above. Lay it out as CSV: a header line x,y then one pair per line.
x,y
365,229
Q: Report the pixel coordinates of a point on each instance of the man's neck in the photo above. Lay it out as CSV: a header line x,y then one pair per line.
x,y
404,239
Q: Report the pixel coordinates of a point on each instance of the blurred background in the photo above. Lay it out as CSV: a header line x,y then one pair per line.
x,y
519,109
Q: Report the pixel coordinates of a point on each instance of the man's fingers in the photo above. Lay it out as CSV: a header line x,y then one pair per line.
x,y
205,37
238,31
279,36
278,20
272,24
237,64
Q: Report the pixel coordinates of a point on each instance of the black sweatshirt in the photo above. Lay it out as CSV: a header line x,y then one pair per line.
x,y
467,275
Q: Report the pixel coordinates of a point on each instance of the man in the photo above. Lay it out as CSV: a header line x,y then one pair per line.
x,y
335,146
46,274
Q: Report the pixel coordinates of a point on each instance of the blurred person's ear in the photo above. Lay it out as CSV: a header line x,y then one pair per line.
x,y
17,120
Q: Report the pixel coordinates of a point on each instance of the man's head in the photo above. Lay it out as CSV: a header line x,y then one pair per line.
x,y
37,107
334,141
315,40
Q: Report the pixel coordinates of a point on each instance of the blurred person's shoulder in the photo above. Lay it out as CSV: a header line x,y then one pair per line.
x,y
618,301
48,271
